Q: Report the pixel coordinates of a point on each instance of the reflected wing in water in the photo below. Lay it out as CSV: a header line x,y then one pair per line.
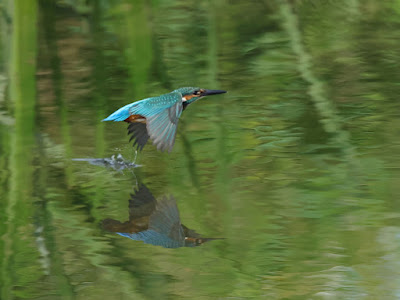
x,y
142,203
166,220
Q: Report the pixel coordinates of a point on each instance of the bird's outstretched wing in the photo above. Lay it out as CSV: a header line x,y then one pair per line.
x,y
162,115
162,127
138,132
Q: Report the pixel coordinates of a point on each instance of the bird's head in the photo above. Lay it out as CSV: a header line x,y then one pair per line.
x,y
191,94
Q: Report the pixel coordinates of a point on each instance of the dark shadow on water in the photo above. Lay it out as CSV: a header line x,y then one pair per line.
x,y
155,222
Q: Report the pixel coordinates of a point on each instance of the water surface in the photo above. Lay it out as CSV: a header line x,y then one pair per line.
x,y
296,167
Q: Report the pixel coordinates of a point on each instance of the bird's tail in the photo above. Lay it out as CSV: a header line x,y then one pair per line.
x,y
119,115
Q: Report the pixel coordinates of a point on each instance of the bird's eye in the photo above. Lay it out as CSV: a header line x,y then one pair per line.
x,y
196,93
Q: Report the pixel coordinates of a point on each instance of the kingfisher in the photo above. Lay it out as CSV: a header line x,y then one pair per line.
x,y
156,118
155,222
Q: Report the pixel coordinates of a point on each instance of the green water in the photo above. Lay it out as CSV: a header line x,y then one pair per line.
x,y
296,167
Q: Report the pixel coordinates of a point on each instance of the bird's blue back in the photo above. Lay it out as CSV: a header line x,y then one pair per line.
x,y
154,105
147,107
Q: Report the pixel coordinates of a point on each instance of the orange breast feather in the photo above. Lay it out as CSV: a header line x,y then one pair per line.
x,y
135,119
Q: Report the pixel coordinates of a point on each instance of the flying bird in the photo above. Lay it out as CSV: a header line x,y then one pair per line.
x,y
156,118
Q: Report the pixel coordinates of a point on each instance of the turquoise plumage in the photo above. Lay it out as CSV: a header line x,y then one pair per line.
x,y
156,118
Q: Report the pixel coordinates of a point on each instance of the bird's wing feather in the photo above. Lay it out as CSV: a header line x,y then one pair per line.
x,y
138,132
162,115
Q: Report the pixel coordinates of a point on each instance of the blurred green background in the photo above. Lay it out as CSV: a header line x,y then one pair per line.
x,y
297,166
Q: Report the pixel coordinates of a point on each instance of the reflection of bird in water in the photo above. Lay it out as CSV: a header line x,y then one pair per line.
x,y
117,163
156,118
155,222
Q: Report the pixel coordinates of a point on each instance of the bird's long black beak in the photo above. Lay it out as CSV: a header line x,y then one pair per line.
x,y
212,92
